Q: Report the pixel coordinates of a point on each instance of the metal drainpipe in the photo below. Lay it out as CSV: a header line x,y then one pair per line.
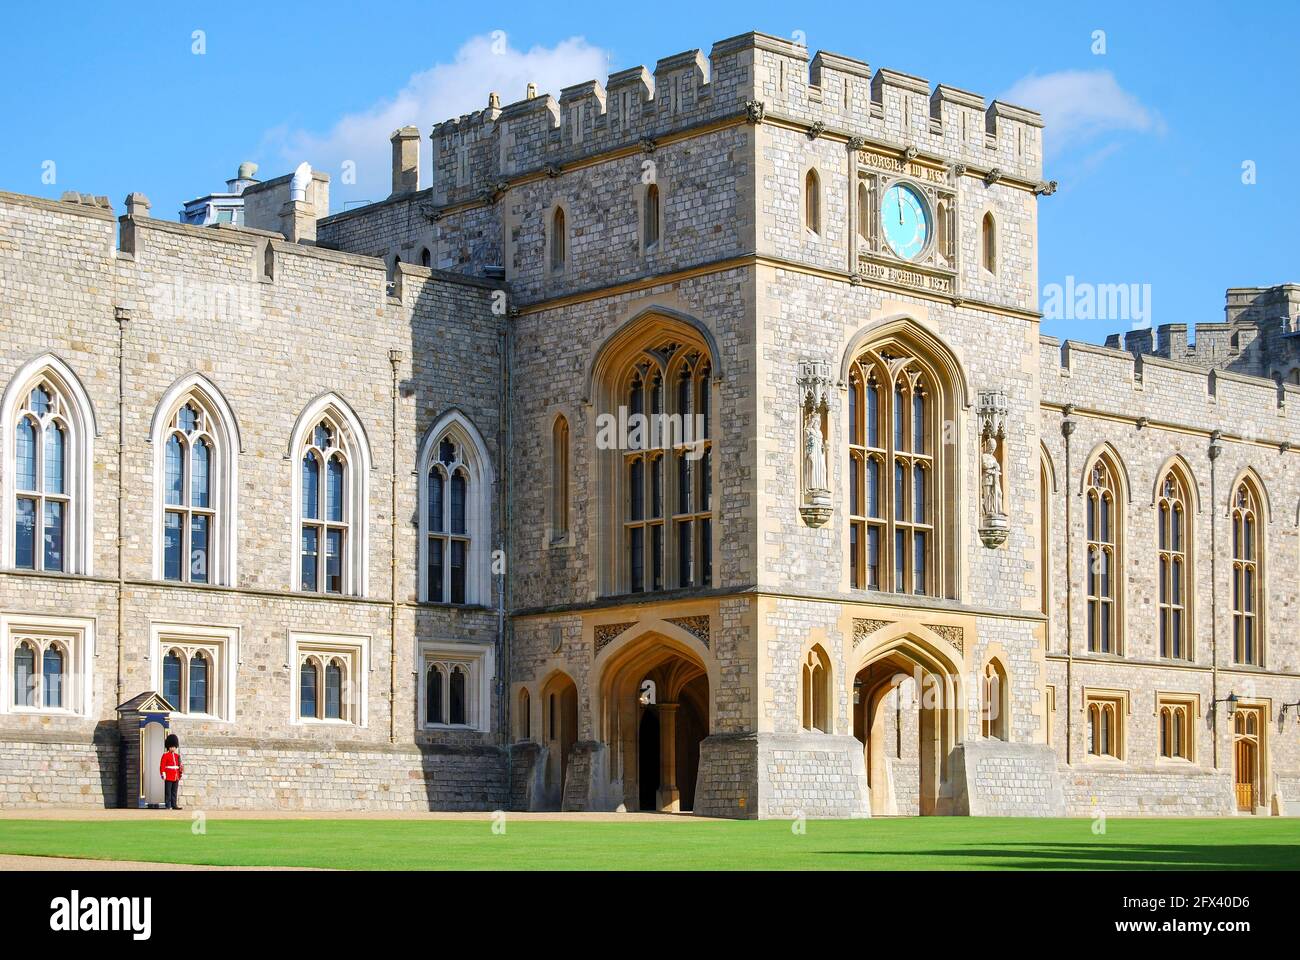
x,y
123,317
1068,426
1216,448
394,359
504,442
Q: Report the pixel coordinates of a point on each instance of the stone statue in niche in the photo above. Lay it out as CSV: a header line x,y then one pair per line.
x,y
814,453
992,417
814,410
991,479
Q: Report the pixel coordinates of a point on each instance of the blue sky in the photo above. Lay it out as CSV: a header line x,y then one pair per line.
x,y
1149,141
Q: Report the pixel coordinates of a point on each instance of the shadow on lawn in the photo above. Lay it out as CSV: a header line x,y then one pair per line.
x,y
1105,856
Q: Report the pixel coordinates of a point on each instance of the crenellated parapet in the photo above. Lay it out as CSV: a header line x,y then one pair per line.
x,y
753,77
1259,338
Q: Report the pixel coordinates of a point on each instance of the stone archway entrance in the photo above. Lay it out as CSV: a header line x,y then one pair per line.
x,y
655,712
559,733
904,714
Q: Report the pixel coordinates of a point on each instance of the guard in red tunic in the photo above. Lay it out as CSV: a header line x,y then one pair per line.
x,y
171,770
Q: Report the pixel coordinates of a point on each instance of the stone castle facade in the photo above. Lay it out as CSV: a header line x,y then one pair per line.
x,y
364,501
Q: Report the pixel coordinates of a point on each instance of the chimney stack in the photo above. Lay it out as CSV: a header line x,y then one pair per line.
x,y
406,161
137,205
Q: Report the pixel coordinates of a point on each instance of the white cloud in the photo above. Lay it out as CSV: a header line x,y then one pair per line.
x,y
1080,105
483,64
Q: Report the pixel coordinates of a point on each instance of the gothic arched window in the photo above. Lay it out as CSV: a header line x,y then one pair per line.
x,y
812,210
559,240
1103,556
324,516
668,471
195,440
40,481
46,513
894,460
1247,585
1172,544
989,243
815,691
994,701
559,479
651,216
308,687
654,447
455,514
331,497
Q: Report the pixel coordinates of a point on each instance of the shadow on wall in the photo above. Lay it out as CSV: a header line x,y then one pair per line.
x,y
107,744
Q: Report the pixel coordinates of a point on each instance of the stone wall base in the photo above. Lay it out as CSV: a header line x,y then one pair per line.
x,y
770,775
993,778
277,776
1146,792
60,772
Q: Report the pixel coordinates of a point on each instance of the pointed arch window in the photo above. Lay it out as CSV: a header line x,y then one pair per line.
x,y
195,442
43,501
455,515
308,688
455,690
331,462
650,217
1106,712
668,471
46,665
812,212
1247,587
1177,734
1103,557
994,702
325,514
331,679
189,513
1172,543
559,240
893,465
989,243
559,480
816,687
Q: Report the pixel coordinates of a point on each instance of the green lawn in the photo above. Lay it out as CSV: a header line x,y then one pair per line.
x,y
930,843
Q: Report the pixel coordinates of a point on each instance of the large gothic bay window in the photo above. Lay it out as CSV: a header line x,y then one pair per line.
x,y
48,427
668,471
894,470
455,514
331,495
652,384
1247,586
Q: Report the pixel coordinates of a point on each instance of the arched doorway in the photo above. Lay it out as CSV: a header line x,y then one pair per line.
x,y
559,733
904,714
654,714
1247,731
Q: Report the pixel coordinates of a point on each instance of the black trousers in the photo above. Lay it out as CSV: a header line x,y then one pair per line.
x,y
170,789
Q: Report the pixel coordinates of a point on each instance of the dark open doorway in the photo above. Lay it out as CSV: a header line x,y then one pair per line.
x,y
649,756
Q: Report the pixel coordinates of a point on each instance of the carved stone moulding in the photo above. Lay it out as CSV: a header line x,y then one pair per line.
x,y
816,508
993,531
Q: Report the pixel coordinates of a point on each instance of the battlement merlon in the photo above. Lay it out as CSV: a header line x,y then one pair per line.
x,y
1260,336
477,151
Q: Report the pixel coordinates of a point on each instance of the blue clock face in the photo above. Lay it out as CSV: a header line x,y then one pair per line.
x,y
906,220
